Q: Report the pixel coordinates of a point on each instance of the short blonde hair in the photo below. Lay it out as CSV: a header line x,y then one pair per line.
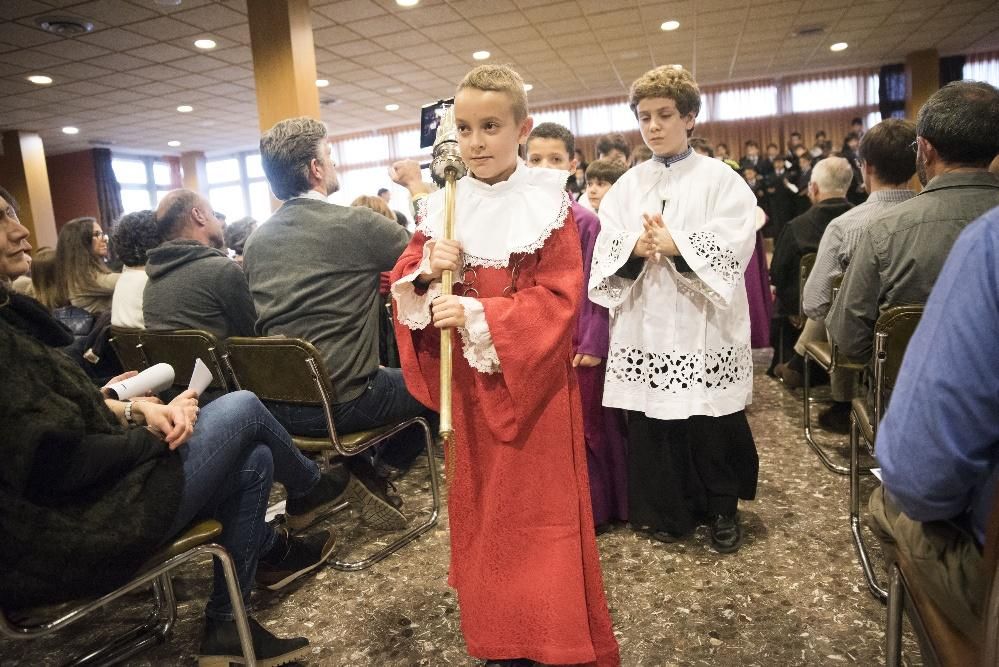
x,y
499,78
376,204
671,83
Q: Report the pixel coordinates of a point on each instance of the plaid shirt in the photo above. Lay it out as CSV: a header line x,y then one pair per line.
x,y
837,246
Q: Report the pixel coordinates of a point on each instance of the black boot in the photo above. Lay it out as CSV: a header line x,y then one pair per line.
x,y
726,534
220,646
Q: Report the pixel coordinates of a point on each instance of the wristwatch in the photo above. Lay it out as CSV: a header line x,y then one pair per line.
x,y
128,413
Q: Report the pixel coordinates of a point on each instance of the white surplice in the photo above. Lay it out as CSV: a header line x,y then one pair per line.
x,y
679,342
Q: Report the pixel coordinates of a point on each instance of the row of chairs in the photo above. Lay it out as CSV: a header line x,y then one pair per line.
x,y
942,643
279,370
276,369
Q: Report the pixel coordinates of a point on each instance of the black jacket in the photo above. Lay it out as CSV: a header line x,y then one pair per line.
x,y
83,501
800,237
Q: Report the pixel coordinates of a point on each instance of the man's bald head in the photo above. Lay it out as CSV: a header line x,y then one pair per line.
x,y
186,214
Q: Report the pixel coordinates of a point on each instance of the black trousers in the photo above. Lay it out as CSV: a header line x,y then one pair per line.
x,y
682,472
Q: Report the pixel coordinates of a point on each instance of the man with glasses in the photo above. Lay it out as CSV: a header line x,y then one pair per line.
x,y
898,256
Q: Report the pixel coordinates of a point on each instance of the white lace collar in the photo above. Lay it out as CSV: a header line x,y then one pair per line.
x,y
493,222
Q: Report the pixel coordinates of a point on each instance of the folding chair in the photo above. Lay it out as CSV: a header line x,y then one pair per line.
x,y
826,355
892,332
196,541
127,345
941,641
181,349
290,370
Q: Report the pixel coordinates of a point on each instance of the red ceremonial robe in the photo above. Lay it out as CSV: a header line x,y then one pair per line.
x,y
524,558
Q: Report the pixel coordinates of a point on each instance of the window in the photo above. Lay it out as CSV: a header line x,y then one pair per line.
x,y
238,188
984,67
144,181
834,93
743,102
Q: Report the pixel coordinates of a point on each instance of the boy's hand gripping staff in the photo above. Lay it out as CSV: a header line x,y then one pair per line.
x,y
446,169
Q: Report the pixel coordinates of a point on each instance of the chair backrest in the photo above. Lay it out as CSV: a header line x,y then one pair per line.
x,y
284,370
804,270
127,344
181,349
892,332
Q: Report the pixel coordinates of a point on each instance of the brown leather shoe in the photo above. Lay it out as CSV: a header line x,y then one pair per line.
x,y
792,379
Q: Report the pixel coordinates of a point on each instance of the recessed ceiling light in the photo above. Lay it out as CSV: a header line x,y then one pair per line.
x,y
391,107
205,43
669,25
839,46
322,83
480,55
40,79
173,144
528,87
69,129
185,108
407,3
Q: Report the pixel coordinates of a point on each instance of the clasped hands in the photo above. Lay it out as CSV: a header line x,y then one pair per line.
x,y
173,422
655,241
445,255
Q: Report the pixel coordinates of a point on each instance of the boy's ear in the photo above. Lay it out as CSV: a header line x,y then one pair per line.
x,y
573,165
525,130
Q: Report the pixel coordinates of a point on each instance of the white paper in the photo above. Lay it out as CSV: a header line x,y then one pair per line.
x,y
877,473
200,378
150,381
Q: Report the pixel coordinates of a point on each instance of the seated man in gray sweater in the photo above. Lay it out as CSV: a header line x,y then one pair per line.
x,y
192,283
313,270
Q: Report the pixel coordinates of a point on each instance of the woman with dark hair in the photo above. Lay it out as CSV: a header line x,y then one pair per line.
x,y
92,487
81,270
134,234
236,234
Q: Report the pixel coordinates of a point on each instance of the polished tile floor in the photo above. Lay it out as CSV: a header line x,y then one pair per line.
x,y
792,596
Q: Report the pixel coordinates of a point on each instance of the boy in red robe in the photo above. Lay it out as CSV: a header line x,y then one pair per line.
x,y
524,558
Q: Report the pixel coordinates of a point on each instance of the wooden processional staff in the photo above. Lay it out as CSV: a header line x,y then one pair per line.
x,y
446,169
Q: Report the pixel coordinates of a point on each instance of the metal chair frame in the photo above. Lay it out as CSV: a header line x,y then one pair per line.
x,y
321,382
119,335
880,391
157,626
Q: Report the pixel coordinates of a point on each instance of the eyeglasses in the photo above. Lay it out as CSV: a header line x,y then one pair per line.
x,y
914,146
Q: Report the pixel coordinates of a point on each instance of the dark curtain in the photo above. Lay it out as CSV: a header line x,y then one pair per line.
x,y
108,190
891,91
951,69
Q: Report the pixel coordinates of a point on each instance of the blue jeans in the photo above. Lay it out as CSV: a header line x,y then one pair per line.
x,y
236,451
384,400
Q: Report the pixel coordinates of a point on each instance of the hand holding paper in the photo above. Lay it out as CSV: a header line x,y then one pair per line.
x,y
200,378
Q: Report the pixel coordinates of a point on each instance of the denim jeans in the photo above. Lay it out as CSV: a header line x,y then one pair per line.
x,y
237,449
384,400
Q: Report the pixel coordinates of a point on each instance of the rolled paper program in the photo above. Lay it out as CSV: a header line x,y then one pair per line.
x,y
150,381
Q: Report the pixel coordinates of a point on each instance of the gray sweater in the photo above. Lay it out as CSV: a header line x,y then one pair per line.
x,y
192,286
313,272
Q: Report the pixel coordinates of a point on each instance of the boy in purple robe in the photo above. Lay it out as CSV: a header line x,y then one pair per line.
x,y
552,146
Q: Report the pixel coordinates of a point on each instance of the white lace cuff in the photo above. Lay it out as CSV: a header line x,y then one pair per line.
x,y
612,251
476,339
411,308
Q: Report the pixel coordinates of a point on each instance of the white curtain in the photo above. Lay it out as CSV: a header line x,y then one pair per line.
x,y
982,67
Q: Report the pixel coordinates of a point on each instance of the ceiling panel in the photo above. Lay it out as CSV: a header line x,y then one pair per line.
x,y
123,82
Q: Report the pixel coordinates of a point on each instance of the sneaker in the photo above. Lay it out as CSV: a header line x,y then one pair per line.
x,y
373,496
836,419
726,535
291,557
220,646
326,495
